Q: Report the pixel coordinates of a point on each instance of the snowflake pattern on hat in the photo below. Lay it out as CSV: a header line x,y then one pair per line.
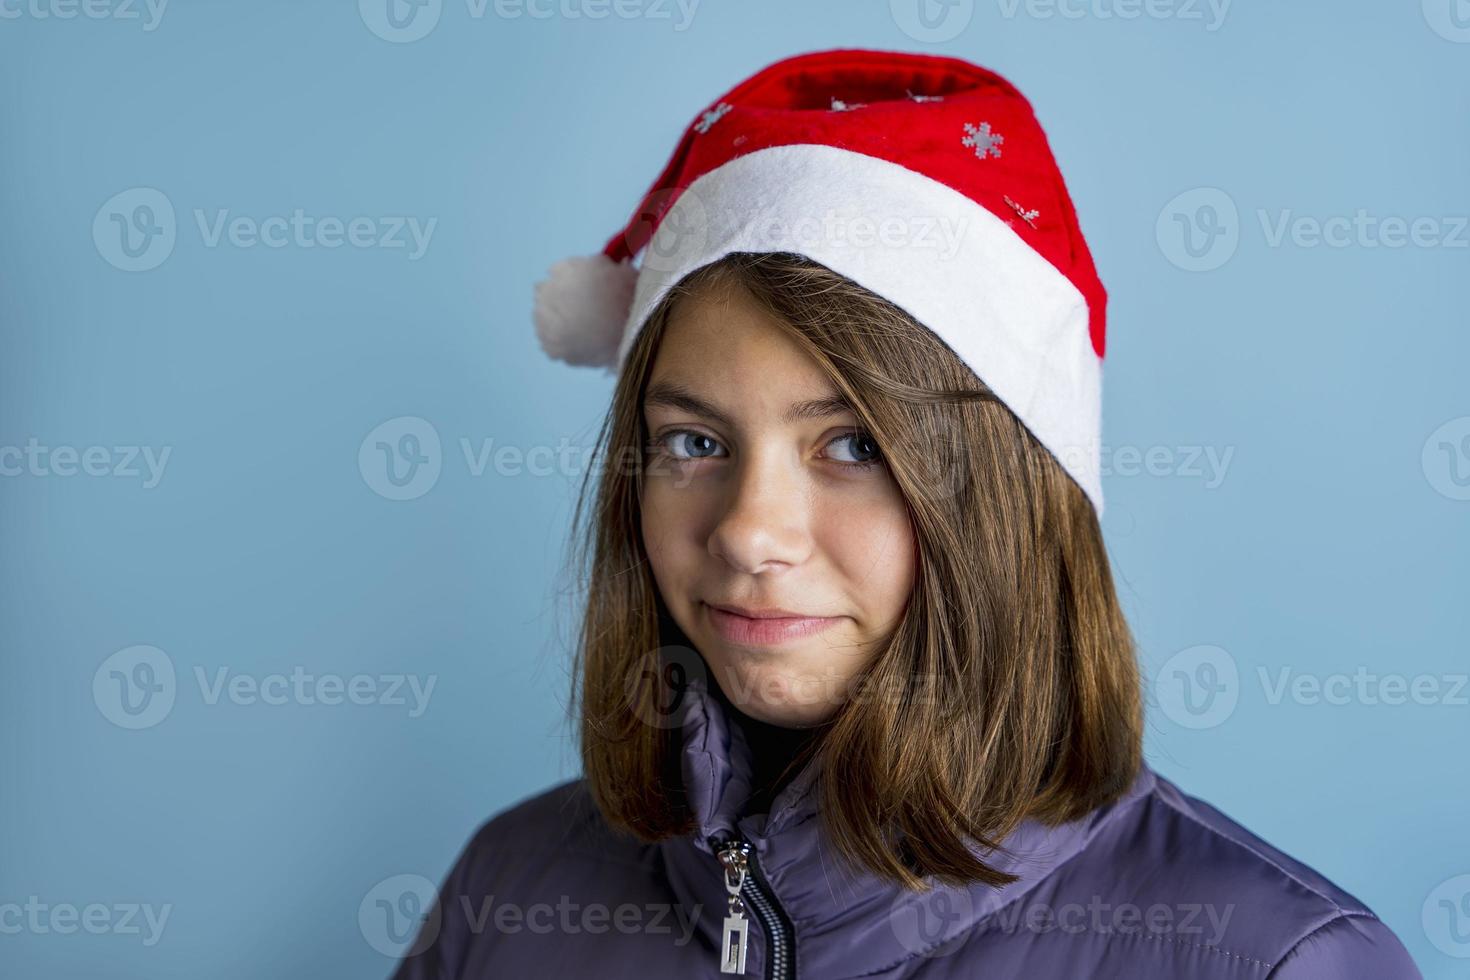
x,y
1027,216
711,117
982,139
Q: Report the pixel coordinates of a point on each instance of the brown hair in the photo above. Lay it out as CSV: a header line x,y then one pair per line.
x,y
1013,673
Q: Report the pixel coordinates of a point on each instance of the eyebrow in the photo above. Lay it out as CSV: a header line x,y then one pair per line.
x,y
674,395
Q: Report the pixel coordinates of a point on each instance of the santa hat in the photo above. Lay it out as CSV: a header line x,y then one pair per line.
x,y
925,179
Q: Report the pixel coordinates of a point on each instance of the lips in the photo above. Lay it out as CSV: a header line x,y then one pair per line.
x,y
765,627
750,613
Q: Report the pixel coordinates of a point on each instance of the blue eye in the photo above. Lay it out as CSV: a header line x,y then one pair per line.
x,y
688,444
863,451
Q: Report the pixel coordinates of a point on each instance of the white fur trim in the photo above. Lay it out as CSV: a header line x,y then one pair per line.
x,y
581,307
953,265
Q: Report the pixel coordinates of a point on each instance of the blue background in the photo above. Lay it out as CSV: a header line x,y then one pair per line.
x,y
1334,541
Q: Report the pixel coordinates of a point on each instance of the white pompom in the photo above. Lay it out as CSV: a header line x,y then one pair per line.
x,y
581,308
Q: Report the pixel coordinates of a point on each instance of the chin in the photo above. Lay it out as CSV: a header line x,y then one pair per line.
x,y
773,692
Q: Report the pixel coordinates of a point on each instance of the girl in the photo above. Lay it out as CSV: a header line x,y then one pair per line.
x,y
856,695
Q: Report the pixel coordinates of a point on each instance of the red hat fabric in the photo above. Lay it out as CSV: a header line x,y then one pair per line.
x,y
926,179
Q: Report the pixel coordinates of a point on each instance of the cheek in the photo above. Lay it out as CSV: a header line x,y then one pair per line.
x,y
669,517
870,544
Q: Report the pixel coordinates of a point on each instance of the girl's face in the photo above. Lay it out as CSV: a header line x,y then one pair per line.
x,y
778,539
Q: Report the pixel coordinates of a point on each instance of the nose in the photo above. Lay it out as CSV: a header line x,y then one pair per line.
x,y
764,523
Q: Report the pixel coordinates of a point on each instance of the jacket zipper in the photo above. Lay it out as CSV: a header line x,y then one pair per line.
x,y
747,887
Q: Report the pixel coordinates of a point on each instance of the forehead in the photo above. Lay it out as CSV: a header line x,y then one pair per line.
x,y
720,343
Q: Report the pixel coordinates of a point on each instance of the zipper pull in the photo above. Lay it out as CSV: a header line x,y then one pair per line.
x,y
732,855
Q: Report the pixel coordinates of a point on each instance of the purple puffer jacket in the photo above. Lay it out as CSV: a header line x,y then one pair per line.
x,y
1158,884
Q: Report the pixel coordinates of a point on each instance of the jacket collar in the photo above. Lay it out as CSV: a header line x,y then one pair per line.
x,y
834,909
